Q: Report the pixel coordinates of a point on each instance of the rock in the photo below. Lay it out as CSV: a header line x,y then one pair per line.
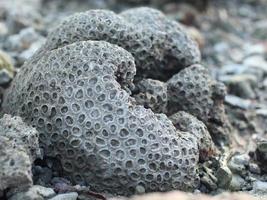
x,y
35,192
241,85
15,166
6,63
260,187
19,147
21,14
23,40
235,101
67,196
3,29
254,168
5,77
21,136
224,176
42,174
254,49
262,112
238,163
30,51
262,146
232,69
196,35
260,30
261,155
256,61
237,183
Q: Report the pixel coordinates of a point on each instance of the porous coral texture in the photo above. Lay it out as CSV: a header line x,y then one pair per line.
x,y
76,91
88,121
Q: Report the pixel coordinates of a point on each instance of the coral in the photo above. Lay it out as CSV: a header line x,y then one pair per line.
x,y
152,94
160,46
76,98
76,91
15,166
185,122
18,149
20,136
194,91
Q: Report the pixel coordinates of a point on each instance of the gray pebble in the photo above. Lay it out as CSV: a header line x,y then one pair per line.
x,y
67,196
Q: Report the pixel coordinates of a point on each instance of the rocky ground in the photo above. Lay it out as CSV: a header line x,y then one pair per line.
x,y
232,36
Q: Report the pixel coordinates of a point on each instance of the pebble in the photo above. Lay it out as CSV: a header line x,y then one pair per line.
x,y
42,174
241,85
35,192
25,55
67,196
23,40
262,146
5,77
254,49
238,163
260,187
3,29
224,176
233,69
237,183
254,168
256,61
238,102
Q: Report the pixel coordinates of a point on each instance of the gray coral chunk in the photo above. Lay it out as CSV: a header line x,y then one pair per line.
x,y
193,90
18,149
186,122
157,43
76,97
152,94
15,166
20,135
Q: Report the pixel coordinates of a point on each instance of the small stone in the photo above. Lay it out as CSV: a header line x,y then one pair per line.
x,y
42,174
224,176
238,163
241,85
237,183
3,29
262,146
262,112
260,187
25,55
256,61
209,182
67,196
254,49
5,77
254,168
36,192
233,69
238,102
23,40
261,155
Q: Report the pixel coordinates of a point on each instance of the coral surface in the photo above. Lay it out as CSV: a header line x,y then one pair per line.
x,y
76,91
18,148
